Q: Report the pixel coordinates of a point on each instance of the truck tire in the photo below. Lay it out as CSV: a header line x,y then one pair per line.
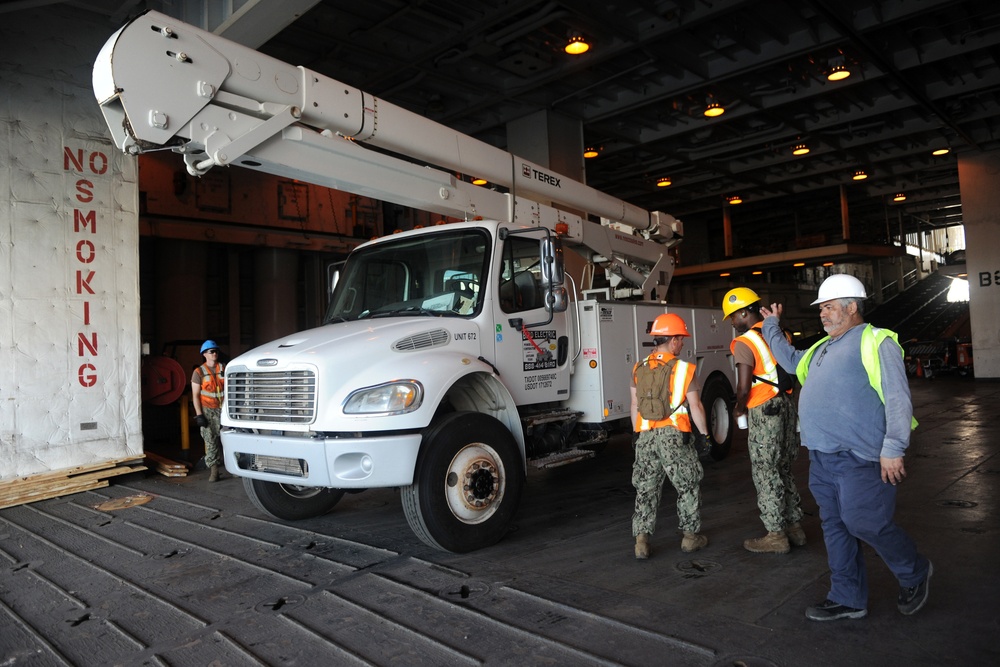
x,y
461,517
717,398
290,502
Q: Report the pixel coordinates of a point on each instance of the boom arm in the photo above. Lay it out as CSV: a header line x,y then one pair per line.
x,y
164,84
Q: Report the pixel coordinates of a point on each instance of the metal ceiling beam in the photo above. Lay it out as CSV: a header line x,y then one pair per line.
x,y
885,64
257,21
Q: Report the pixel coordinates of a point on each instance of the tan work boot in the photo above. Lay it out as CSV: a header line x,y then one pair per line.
x,y
213,475
796,535
772,543
642,549
693,542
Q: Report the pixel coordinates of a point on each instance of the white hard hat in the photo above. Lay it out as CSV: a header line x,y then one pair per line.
x,y
840,286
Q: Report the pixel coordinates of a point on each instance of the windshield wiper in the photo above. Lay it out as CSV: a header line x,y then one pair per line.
x,y
409,310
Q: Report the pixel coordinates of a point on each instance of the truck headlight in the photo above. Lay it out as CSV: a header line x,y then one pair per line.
x,y
389,398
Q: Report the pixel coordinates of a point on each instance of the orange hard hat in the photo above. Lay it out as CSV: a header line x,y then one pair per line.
x,y
668,324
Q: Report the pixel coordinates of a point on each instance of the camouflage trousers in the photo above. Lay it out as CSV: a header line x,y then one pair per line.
x,y
774,444
210,434
659,453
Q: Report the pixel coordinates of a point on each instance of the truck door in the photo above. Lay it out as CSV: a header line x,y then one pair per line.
x,y
533,362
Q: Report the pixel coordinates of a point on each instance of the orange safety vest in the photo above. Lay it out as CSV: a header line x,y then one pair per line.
x,y
680,380
212,384
764,367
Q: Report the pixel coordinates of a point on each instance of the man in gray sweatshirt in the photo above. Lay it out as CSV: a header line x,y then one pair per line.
x,y
855,415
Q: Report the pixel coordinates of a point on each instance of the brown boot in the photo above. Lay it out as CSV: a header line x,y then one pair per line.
x,y
693,542
642,549
213,474
772,543
796,535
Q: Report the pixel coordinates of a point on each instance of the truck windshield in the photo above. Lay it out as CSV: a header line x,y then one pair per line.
x,y
440,273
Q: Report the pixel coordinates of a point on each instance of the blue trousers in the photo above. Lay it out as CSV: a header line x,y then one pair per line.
x,y
856,505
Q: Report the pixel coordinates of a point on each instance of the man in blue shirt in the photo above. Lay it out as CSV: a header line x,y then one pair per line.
x,y
855,415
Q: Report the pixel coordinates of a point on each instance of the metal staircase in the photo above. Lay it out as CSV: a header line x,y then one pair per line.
x,y
922,312
929,327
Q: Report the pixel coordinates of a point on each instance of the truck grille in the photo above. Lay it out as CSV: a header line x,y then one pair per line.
x,y
280,396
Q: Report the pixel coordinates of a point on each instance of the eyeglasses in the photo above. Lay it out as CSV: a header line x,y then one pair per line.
x,y
819,359
211,351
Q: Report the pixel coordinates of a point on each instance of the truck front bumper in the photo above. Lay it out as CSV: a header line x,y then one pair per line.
x,y
341,463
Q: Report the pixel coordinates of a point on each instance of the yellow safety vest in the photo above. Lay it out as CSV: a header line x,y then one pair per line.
x,y
871,338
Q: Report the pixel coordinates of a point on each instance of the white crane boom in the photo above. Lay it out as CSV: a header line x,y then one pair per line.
x,y
165,84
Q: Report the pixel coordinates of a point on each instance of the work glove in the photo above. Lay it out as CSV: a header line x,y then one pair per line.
x,y
702,444
201,420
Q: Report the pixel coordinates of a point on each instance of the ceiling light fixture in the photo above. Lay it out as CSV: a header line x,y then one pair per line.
x,y
591,152
800,149
860,175
944,150
663,182
479,181
838,69
827,263
798,265
838,73
735,199
725,274
576,45
899,197
714,109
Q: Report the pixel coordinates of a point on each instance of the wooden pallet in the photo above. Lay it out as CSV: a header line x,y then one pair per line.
x,y
21,490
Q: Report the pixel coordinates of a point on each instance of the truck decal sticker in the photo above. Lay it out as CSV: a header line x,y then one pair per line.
x,y
538,348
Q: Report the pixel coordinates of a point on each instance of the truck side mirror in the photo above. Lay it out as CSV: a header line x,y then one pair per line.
x,y
553,266
556,299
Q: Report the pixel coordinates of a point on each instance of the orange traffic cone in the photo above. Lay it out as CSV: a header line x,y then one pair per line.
x,y
920,368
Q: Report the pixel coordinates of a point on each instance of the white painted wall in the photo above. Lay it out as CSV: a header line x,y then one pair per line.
x,y
69,279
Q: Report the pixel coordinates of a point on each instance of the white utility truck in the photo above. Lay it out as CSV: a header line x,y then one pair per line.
x,y
451,356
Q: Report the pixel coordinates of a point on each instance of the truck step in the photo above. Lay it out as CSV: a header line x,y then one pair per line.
x,y
562,458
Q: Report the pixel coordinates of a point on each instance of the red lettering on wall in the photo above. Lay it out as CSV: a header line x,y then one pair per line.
x,y
68,157
83,220
87,375
85,251
84,283
97,161
84,189
82,342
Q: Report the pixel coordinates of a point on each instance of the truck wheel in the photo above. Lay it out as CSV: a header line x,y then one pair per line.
x,y
467,483
290,502
717,397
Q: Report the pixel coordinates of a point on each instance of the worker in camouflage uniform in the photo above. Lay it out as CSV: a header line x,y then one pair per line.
x,y
207,390
763,393
664,446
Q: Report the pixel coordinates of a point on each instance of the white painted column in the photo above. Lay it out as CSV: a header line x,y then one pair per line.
x,y
979,180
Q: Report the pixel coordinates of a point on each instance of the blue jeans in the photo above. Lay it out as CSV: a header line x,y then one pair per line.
x,y
855,505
